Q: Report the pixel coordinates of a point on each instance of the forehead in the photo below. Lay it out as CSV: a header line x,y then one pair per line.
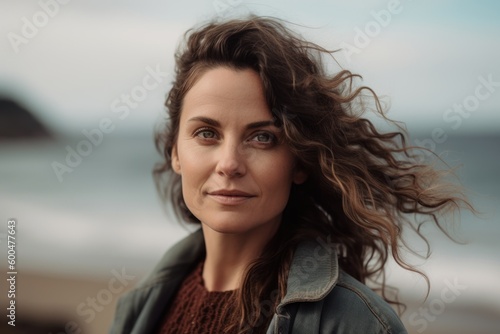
x,y
226,92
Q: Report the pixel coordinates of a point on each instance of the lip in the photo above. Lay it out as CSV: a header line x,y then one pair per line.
x,y
230,196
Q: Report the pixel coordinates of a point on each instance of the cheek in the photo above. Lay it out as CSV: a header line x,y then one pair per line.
x,y
193,169
191,159
192,181
276,176
192,172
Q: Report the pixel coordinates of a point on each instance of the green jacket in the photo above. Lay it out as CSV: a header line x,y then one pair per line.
x,y
320,297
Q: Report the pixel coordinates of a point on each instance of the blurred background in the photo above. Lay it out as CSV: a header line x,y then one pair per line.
x,y
82,86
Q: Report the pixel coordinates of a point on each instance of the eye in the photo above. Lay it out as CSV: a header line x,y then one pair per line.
x,y
265,138
205,133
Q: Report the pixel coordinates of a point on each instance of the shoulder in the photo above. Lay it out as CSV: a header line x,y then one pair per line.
x,y
353,305
325,299
142,307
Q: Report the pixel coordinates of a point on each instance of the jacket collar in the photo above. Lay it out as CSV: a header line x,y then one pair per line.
x,y
178,260
314,270
313,273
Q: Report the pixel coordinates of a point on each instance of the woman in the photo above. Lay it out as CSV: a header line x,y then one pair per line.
x,y
300,199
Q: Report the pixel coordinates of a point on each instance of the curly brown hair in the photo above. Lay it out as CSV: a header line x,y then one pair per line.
x,y
363,184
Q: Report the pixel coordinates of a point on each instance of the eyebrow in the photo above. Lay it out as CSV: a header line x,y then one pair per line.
x,y
215,123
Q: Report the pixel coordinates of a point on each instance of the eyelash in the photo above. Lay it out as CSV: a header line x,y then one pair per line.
x,y
199,131
272,138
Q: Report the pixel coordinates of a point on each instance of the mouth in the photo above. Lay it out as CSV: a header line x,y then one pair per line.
x,y
230,197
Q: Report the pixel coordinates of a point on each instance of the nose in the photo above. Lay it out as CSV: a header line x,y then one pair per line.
x,y
231,160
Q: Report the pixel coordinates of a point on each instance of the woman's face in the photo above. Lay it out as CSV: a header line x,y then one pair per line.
x,y
236,174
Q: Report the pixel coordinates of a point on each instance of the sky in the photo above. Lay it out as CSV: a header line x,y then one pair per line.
x,y
426,59
435,63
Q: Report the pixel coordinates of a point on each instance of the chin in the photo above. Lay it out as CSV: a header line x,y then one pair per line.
x,y
235,224
229,227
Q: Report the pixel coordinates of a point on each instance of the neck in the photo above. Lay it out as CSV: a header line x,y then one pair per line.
x,y
229,255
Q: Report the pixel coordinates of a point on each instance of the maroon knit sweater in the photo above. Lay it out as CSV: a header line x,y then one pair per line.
x,y
196,310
